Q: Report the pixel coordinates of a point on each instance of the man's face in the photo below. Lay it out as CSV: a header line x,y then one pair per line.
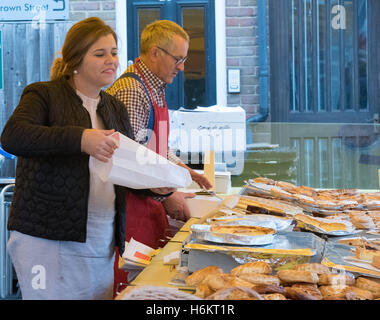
x,y
167,64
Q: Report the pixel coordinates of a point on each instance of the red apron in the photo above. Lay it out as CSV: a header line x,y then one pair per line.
x,y
146,219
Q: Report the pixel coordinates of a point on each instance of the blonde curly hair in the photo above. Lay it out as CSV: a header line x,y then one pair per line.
x,y
160,33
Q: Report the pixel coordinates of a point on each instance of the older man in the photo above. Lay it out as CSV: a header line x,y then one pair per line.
x,y
163,52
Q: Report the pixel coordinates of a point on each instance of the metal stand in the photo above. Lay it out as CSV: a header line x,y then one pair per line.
x,y
8,287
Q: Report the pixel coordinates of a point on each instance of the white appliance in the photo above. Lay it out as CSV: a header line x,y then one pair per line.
x,y
222,129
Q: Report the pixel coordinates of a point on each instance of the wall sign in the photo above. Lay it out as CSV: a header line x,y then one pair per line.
x,y
34,10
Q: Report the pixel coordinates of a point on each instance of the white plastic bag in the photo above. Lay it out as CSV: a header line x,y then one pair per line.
x,y
135,166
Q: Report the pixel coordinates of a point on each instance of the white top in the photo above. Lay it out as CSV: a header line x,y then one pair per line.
x,y
102,194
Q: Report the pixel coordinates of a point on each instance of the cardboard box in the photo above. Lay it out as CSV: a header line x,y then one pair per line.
x,y
201,205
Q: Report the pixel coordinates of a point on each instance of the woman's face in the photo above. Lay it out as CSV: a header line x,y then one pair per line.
x,y
98,67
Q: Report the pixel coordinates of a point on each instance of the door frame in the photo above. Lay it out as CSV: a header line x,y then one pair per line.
x,y
279,80
220,45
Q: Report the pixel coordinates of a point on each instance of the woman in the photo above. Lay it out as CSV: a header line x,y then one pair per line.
x,y
65,221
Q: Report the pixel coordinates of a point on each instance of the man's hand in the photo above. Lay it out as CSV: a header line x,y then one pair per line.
x,y
201,180
176,206
163,191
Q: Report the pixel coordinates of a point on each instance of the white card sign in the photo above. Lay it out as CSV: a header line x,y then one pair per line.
x,y
34,10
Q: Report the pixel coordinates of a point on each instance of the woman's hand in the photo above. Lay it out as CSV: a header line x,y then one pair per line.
x,y
99,143
163,191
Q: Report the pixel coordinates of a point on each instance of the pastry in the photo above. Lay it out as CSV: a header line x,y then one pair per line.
x,y
198,276
203,291
352,241
376,261
222,281
274,296
369,285
306,191
259,279
268,288
286,186
252,267
362,221
291,276
303,292
333,292
264,180
323,224
235,293
336,279
363,253
242,230
313,267
272,205
345,293
362,294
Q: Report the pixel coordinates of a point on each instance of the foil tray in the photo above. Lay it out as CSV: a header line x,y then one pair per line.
x,y
335,254
292,242
202,232
349,231
277,223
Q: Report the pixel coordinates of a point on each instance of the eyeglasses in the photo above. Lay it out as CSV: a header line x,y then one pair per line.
x,y
178,61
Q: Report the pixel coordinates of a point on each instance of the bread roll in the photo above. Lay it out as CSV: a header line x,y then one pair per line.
x,y
376,261
252,267
222,281
365,254
235,293
268,288
313,267
259,279
274,296
303,292
264,180
336,279
369,285
198,276
362,294
203,291
333,292
291,276
345,293
352,241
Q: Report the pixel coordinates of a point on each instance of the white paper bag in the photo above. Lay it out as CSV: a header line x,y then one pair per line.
x,y
135,166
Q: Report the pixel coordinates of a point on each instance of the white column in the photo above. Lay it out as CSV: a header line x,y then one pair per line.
x,y
220,44
121,31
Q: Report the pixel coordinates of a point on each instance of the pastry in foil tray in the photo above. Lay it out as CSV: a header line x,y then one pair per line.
x,y
242,230
325,225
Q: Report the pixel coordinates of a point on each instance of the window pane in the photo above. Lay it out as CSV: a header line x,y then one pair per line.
x,y
146,16
362,54
195,69
336,156
294,54
348,42
321,52
308,54
309,161
323,163
335,45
